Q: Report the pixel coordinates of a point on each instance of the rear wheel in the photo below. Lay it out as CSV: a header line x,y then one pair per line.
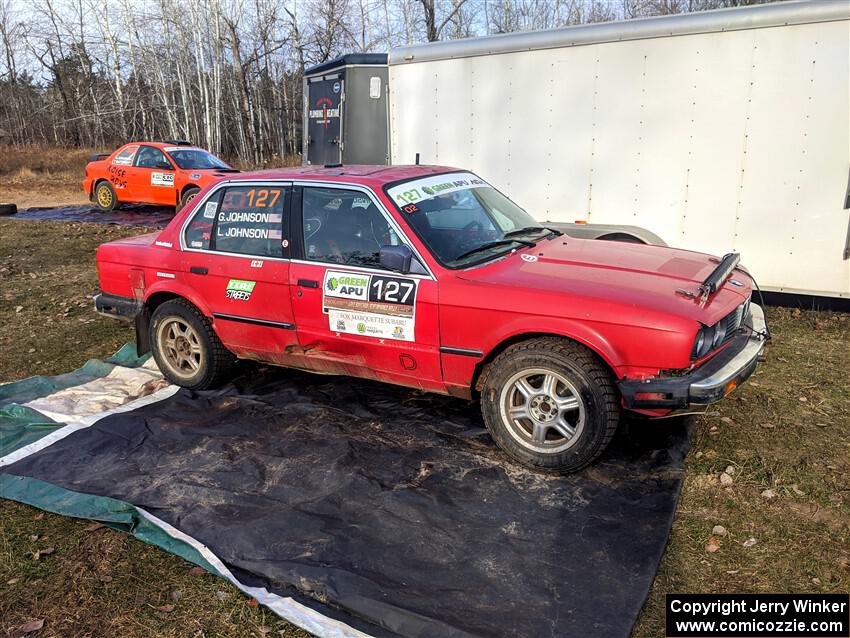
x,y
550,404
185,347
104,196
188,196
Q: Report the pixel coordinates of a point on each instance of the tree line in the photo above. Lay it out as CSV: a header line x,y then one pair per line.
x,y
226,74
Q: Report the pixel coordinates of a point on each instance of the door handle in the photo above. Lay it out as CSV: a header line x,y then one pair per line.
x,y
198,270
308,283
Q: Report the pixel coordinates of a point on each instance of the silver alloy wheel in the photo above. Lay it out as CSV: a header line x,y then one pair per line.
x,y
542,410
179,346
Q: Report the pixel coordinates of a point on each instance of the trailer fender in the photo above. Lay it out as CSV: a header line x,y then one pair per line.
x,y
610,232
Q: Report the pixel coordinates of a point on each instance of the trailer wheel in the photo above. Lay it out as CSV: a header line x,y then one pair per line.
x,y
104,196
186,348
550,404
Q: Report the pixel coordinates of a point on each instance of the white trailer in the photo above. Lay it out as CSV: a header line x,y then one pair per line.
x,y
716,131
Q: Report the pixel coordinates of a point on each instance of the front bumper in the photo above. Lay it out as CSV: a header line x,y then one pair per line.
x,y
708,383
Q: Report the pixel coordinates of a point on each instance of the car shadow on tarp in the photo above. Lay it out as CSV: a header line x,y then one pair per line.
x,y
127,215
388,508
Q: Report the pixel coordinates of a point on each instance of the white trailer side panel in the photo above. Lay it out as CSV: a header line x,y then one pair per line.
x,y
718,141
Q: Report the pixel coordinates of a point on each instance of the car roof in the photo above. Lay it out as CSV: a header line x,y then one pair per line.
x,y
160,145
371,174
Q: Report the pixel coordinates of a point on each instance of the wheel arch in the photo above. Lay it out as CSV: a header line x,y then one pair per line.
x,y
599,348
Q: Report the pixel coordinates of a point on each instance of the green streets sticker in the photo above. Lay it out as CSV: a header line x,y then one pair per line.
x,y
239,289
370,305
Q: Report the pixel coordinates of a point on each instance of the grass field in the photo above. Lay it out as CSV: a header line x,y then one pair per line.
x,y
782,440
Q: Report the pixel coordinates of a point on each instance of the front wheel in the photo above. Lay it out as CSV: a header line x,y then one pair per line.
x,y
185,347
550,404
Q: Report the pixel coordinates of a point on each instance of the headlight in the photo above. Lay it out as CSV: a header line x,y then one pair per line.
x,y
719,334
703,342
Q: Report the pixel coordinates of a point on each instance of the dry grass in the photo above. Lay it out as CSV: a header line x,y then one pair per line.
x,y
787,430
39,176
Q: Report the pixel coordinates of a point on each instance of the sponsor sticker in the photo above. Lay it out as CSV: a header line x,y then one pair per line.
x,y
239,289
210,210
195,176
166,275
371,305
162,179
256,263
434,186
163,244
529,258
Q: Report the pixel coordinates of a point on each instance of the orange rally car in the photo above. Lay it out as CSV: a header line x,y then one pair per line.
x,y
166,173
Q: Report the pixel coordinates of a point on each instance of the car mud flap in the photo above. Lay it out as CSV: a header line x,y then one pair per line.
x,y
383,507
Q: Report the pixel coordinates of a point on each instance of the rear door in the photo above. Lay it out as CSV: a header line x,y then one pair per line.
x,y
151,178
324,121
353,316
236,257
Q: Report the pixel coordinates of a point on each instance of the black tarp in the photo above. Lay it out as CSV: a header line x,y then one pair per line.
x,y
127,215
386,507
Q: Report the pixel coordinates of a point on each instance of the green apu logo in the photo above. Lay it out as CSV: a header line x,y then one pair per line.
x,y
428,190
333,283
361,328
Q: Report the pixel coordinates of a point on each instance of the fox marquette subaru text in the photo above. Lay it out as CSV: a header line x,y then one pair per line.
x,y
429,277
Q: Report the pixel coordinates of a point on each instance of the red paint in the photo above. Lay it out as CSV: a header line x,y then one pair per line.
x,y
618,299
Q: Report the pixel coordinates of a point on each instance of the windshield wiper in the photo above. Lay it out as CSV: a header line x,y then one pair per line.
x,y
523,231
531,229
494,244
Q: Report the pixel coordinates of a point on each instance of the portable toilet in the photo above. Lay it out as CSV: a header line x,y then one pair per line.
x,y
345,108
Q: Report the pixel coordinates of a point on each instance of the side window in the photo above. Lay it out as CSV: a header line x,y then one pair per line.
x,y
199,230
150,157
344,226
249,220
125,157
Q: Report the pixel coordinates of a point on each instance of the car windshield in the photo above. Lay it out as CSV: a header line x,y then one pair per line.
x,y
462,219
189,158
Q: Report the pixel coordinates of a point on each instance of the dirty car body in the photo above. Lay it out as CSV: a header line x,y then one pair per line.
x,y
428,277
161,173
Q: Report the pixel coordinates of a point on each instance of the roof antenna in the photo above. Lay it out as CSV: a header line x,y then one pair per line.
x,y
417,159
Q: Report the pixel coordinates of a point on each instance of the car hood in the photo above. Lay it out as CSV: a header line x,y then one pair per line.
x,y
633,275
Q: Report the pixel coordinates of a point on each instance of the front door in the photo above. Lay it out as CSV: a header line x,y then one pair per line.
x,y
236,256
353,316
324,121
151,178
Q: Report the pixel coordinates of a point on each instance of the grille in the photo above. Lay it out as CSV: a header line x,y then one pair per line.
x,y
734,320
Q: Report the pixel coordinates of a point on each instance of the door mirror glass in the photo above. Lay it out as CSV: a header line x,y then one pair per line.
x,y
396,258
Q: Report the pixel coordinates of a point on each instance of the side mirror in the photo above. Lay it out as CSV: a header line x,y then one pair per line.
x,y
396,258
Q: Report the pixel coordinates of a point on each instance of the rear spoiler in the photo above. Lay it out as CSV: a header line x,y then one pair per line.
x,y
99,156
715,280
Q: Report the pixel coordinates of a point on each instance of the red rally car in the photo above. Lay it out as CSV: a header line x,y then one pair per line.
x,y
167,173
429,277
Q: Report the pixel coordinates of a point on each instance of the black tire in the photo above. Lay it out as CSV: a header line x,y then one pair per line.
x,y
579,376
188,195
8,209
214,361
104,196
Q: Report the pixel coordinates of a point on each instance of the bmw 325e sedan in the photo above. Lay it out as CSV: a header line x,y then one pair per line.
x,y
429,277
